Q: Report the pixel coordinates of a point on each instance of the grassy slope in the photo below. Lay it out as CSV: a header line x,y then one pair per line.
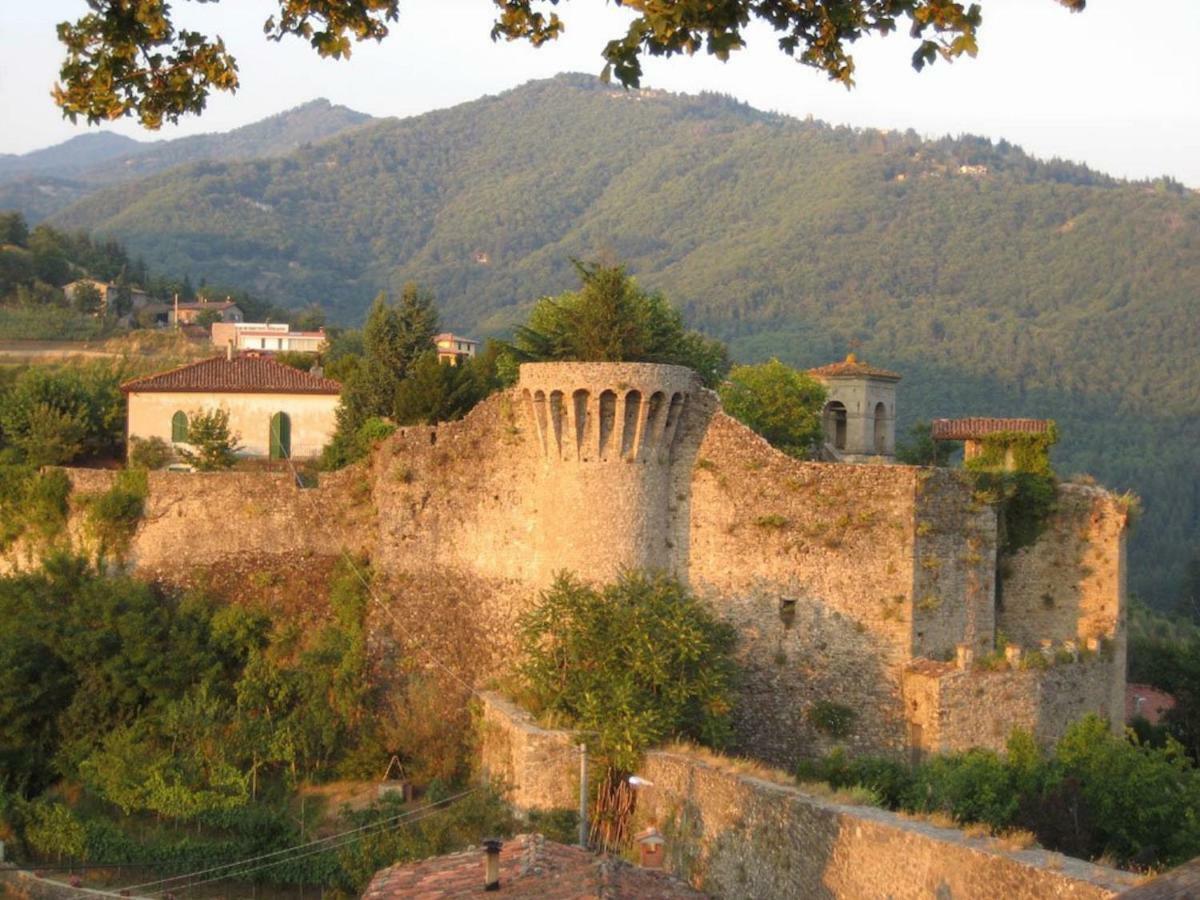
x,y
1038,289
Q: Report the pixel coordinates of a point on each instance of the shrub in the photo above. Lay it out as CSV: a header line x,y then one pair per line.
x,y
638,662
113,516
149,453
212,445
778,402
833,719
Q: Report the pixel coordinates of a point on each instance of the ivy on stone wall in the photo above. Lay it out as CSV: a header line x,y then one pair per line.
x,y
113,516
1012,472
33,504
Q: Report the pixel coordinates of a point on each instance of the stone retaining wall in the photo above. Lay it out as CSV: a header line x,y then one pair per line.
x,y
735,835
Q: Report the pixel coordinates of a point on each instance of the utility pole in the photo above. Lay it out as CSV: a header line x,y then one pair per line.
x,y
583,796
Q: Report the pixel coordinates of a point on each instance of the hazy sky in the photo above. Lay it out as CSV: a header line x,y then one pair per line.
x,y
1109,87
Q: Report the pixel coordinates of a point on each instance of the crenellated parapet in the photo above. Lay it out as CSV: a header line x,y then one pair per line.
x,y
606,412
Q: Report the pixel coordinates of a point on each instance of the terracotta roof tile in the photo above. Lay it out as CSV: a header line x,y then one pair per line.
x,y
530,866
851,367
976,428
240,375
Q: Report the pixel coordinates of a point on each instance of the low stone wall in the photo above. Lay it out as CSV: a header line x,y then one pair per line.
x,y
735,835
21,885
537,767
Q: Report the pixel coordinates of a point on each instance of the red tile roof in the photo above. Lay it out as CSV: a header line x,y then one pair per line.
x,y
530,866
240,375
1148,702
976,428
851,367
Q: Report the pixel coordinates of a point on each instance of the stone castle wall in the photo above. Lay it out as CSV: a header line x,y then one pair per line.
x,y
836,577
954,708
736,835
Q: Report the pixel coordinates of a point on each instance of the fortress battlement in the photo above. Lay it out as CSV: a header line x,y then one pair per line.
x,y
606,412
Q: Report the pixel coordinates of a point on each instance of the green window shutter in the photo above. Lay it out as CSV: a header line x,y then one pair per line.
x,y
179,425
281,436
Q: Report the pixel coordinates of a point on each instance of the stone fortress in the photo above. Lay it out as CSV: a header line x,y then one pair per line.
x,y
854,585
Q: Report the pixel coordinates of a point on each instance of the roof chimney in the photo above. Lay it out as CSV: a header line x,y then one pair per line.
x,y
491,864
229,350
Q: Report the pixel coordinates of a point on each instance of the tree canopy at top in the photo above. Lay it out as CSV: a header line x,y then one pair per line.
x,y
126,57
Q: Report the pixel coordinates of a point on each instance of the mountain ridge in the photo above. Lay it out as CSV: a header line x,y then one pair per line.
x,y
45,181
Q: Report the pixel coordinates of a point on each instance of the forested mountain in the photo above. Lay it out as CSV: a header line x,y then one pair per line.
x,y
45,181
997,283
69,157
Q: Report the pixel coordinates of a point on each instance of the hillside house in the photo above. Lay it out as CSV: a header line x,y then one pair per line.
x,y
266,337
454,348
137,297
189,313
276,410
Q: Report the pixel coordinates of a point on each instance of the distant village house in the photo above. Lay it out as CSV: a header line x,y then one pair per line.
x,y
266,337
137,297
454,348
277,411
189,313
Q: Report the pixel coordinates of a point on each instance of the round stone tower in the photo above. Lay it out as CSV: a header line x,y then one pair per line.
x,y
613,458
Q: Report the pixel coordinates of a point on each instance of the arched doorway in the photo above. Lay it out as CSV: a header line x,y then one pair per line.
x,y
179,426
281,436
880,428
835,424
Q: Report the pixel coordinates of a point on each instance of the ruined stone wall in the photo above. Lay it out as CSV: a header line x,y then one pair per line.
x,y
736,835
954,571
198,519
1070,584
835,576
959,707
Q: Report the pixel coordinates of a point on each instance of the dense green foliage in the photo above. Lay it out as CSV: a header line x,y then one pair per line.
x,y
171,704
391,375
918,448
611,319
778,402
55,416
1165,652
33,504
1094,795
172,731
1022,290
635,663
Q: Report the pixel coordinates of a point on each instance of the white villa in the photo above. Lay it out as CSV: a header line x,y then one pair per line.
x,y
277,411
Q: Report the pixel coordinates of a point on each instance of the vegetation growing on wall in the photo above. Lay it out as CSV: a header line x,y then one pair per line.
x,y
1093,795
1012,471
33,504
114,515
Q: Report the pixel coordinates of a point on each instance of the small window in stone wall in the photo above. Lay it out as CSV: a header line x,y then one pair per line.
x,y
787,611
179,426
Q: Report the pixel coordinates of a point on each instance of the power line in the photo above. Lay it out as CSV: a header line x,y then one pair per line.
x,y
377,824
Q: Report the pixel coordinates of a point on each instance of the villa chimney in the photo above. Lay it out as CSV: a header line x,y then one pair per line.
x,y
491,864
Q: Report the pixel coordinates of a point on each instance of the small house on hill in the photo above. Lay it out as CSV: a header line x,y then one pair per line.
x,y
190,313
277,411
